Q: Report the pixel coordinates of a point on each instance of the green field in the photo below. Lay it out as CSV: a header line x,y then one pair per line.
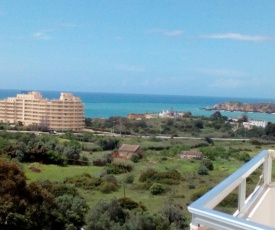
x,y
180,180
181,193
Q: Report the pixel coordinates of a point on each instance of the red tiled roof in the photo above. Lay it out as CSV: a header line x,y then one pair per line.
x,y
190,153
128,148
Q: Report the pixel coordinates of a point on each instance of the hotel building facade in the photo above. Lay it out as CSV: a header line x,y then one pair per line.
x,y
65,113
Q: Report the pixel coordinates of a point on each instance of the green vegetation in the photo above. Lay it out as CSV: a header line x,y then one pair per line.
x,y
73,179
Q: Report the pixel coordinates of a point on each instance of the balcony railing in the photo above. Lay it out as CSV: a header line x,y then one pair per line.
x,y
202,210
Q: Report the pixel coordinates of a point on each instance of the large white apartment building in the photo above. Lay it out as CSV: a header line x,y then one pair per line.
x,y
65,113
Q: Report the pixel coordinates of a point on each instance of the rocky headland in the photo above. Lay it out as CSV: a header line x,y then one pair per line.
x,y
244,107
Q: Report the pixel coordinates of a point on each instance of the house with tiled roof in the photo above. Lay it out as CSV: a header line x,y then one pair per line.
x,y
191,155
126,151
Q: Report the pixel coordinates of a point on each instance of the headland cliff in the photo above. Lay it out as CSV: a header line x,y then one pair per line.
x,y
244,107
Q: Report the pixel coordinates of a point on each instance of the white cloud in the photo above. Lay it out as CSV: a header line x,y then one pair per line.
x,y
241,37
42,35
130,68
167,32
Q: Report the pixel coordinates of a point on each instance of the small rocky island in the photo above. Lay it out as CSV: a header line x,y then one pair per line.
x,y
244,107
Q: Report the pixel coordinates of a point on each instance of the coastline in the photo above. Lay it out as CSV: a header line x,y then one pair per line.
x,y
235,111
105,105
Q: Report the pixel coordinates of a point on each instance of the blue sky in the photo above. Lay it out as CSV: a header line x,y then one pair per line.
x,y
177,47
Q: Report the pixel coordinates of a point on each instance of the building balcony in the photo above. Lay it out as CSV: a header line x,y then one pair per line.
x,y
254,212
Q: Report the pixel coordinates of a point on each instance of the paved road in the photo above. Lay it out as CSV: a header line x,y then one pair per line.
x,y
163,137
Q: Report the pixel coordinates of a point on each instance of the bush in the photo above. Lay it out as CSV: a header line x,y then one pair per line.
x,y
135,158
107,187
209,140
129,179
99,162
168,177
157,189
202,170
119,166
111,179
255,142
84,181
208,164
108,143
191,186
127,203
102,161
147,175
244,157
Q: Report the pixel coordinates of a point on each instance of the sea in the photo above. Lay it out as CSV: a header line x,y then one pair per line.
x,y
105,105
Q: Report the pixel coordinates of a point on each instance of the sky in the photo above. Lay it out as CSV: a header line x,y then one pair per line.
x,y
173,47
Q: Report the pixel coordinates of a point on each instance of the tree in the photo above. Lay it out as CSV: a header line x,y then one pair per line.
x,y
209,140
216,115
88,122
199,124
73,209
174,214
146,221
37,206
108,143
25,206
270,129
106,215
243,118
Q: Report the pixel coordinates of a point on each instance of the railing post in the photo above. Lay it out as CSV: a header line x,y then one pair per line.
x,y
267,169
242,195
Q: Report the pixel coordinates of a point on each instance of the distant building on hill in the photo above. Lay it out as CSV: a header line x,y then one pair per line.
x,y
191,155
255,123
30,108
126,151
140,116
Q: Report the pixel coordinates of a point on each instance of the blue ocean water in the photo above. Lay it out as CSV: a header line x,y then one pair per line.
x,y
115,104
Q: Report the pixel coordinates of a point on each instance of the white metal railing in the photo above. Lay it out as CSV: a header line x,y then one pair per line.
x,y
202,209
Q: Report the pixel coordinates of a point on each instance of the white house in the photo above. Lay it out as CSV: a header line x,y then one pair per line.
x,y
257,123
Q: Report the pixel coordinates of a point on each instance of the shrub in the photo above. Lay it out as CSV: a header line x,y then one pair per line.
x,y
244,157
157,189
168,177
207,163
111,179
127,203
83,160
202,170
209,140
107,187
129,179
255,142
84,181
58,188
135,158
191,186
119,166
99,162
147,175
106,159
